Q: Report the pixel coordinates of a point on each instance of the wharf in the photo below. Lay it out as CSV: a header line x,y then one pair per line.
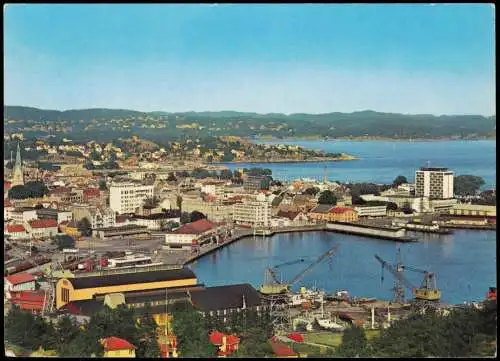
x,y
374,231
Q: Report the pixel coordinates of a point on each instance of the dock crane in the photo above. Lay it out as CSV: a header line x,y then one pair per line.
x,y
427,292
279,287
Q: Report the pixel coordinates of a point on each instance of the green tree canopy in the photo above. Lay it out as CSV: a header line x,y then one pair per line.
x,y
192,331
35,189
84,227
195,216
312,191
353,342
399,180
327,197
467,185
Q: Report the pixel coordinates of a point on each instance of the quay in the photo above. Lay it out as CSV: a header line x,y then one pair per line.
x,y
388,233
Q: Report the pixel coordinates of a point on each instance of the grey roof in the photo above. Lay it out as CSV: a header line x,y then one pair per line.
x,y
322,208
276,201
225,297
132,278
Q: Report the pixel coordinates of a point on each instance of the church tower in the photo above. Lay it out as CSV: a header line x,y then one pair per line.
x,y
18,175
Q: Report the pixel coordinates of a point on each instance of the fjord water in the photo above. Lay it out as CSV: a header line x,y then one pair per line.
x,y
464,262
382,161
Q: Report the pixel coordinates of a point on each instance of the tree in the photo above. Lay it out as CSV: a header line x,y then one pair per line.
x,y
24,329
35,189
195,216
228,157
102,185
312,191
178,201
353,342
148,343
64,241
192,331
467,185
151,202
487,198
398,181
185,217
392,206
406,208
171,177
226,174
327,197
84,227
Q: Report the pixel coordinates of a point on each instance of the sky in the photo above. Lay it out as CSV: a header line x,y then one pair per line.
x,y
411,59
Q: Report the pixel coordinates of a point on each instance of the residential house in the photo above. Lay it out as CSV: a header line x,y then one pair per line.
x,y
341,214
227,344
321,213
117,347
296,218
21,215
22,281
42,228
30,300
16,231
98,217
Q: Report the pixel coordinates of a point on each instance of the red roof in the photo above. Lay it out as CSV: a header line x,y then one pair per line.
x,y
280,349
7,184
121,219
20,278
216,338
340,210
28,296
297,337
43,223
115,344
7,203
15,228
91,192
290,215
197,227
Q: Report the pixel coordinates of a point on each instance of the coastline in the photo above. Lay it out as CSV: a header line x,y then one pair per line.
x,y
363,139
312,160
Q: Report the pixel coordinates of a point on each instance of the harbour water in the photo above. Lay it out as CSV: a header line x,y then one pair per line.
x,y
382,161
464,262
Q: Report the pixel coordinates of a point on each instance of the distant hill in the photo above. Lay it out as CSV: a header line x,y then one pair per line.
x,y
110,123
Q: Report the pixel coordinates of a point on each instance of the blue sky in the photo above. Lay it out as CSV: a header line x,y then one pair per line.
x,y
419,58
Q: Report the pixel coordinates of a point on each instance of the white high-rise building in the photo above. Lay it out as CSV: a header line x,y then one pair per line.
x,y
253,213
434,183
125,197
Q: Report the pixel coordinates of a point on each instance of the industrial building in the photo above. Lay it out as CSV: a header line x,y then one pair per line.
x,y
87,288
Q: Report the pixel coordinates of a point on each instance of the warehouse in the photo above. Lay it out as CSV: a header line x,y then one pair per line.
x,y
88,288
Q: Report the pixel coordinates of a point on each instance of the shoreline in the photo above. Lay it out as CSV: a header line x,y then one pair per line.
x,y
347,139
320,160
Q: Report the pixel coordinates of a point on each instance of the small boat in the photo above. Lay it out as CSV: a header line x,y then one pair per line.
x,y
330,324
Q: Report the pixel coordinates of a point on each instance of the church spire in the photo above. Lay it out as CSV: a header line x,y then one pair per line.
x,y
18,176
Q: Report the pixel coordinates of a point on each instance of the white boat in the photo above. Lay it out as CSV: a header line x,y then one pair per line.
x,y
330,324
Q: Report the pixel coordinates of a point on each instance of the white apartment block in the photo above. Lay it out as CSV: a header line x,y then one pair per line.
x,y
252,213
371,211
127,196
434,183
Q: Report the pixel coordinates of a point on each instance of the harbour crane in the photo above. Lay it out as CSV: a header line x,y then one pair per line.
x,y
272,273
278,287
427,292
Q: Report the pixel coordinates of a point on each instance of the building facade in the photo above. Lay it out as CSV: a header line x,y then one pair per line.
x,y
98,217
252,213
126,197
434,183
371,211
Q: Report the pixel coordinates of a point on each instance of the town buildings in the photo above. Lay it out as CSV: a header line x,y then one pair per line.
x,y
126,197
98,217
